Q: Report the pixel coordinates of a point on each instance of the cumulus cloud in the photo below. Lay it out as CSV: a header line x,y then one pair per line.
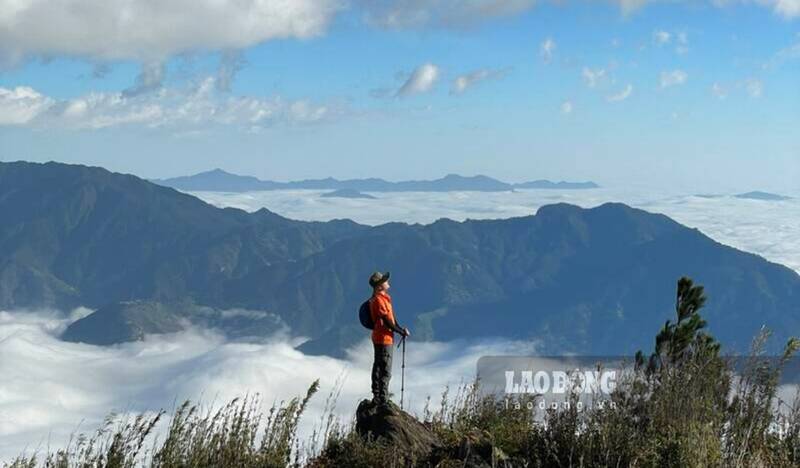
x,y
150,30
20,105
744,224
421,80
546,49
401,14
197,106
464,82
622,95
672,78
592,77
45,395
566,107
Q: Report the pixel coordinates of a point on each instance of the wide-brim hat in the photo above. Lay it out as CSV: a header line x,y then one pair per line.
x,y
377,278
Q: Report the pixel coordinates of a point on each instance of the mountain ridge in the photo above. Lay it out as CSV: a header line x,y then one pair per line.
x,y
585,280
219,180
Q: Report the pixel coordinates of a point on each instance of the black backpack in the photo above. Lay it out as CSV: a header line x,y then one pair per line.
x,y
365,316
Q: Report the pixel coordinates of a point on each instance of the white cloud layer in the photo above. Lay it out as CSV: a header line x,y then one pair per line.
x,y
150,30
50,387
421,80
198,106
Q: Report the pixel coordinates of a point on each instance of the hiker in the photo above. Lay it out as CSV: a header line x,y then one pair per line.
x,y
385,326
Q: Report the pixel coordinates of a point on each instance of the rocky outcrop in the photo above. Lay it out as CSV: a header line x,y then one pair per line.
x,y
393,426
417,445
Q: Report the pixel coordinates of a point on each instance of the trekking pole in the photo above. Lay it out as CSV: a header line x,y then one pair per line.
x,y
403,373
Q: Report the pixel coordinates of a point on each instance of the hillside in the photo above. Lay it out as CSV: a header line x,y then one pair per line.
x,y
574,279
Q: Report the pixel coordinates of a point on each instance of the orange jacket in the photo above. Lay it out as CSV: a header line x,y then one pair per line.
x,y
380,307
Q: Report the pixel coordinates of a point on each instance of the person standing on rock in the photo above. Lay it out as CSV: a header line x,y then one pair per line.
x,y
385,326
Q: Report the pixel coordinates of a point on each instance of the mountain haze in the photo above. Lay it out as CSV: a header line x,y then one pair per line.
x,y
220,181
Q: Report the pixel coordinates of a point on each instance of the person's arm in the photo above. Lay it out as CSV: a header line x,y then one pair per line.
x,y
393,326
383,316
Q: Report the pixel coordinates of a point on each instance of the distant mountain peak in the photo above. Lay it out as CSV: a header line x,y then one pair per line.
x,y
559,207
220,180
759,195
220,172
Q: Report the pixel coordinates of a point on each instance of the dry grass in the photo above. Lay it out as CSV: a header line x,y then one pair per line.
x,y
682,407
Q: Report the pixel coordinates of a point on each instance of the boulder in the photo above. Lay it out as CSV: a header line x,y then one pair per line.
x,y
389,424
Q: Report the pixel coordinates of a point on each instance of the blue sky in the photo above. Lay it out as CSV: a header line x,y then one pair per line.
x,y
701,95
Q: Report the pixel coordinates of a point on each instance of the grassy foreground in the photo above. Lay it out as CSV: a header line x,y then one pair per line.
x,y
679,406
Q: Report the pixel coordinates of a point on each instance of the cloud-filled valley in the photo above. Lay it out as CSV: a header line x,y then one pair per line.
x,y
766,228
52,389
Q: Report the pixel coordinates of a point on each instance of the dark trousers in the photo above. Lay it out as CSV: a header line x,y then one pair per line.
x,y
381,372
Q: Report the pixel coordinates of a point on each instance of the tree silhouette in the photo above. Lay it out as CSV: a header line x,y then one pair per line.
x,y
677,342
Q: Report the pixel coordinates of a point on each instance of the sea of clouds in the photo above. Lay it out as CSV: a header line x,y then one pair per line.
x,y
50,389
767,228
